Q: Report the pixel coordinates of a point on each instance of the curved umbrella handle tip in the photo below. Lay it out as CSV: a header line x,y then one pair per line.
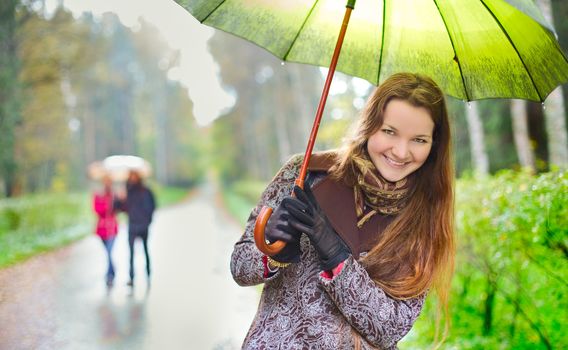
x,y
260,240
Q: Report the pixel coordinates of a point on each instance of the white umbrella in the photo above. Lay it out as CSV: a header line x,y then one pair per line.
x,y
118,167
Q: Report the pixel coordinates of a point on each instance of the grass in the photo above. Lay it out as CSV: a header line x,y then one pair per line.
x,y
37,223
238,206
33,224
241,197
169,195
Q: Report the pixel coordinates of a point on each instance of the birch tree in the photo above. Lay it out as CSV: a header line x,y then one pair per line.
x,y
521,134
554,112
479,157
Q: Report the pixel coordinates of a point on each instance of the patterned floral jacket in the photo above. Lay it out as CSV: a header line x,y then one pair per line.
x,y
300,309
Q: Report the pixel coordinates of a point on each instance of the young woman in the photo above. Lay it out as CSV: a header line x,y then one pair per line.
x,y
107,226
367,238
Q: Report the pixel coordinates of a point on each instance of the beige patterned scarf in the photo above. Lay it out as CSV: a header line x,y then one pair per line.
x,y
374,194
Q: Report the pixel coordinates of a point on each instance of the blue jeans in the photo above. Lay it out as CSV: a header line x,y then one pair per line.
x,y
108,243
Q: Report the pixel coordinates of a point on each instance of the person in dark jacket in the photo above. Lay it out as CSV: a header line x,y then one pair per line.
x,y
139,204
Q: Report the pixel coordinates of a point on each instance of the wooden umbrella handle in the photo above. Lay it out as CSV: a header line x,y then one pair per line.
x,y
260,224
260,241
264,215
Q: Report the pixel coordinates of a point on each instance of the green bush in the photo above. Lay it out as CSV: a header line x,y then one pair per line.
x,y
36,223
241,197
511,281
168,195
249,190
10,220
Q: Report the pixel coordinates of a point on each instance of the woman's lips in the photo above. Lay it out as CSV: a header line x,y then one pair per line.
x,y
394,163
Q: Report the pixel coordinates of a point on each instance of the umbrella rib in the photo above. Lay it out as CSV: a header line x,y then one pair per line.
x,y
215,9
300,30
515,48
454,49
382,41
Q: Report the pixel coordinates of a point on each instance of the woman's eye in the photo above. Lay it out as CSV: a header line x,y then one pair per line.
x,y
420,140
388,131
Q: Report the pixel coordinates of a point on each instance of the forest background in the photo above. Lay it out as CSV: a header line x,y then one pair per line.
x,y
75,89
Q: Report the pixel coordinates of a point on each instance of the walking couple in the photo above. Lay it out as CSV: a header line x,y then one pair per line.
x,y
139,204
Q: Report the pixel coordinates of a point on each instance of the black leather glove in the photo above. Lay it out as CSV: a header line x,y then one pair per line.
x,y
307,216
279,229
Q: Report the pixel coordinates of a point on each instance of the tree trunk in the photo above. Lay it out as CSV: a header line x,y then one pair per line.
x,y
260,136
488,314
554,114
124,111
160,143
521,134
9,94
517,297
556,129
279,114
89,122
302,96
479,156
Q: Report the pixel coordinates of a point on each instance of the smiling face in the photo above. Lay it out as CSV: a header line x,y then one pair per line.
x,y
403,142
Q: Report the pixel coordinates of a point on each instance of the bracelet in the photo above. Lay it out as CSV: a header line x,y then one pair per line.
x,y
277,263
271,271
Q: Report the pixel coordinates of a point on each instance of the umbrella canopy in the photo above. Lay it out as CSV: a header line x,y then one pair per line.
x,y
118,167
474,49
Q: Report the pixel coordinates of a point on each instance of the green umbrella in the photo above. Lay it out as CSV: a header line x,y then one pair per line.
x,y
474,49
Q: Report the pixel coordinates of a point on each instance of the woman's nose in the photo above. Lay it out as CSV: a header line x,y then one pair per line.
x,y
400,150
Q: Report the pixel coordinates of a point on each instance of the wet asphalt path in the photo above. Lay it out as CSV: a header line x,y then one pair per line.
x,y
59,300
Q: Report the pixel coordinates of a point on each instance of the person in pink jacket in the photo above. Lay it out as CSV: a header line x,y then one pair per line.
x,y
107,226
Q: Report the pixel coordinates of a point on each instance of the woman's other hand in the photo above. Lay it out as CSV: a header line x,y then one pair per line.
x,y
279,229
308,217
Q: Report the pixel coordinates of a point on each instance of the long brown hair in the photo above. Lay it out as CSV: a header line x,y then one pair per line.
x,y
416,251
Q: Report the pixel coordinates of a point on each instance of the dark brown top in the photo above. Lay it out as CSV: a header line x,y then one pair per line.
x,y
338,202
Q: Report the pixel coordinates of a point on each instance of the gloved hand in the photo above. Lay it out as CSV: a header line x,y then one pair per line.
x,y
307,216
279,229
